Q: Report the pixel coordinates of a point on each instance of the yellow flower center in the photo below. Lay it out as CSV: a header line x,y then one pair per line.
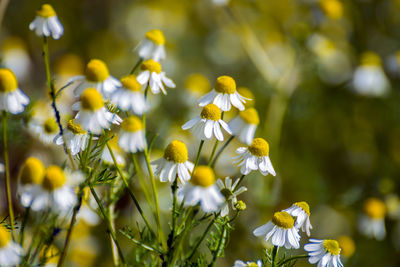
x,y
283,219
5,237
252,264
8,81
332,8
248,94
332,246
211,112
50,126
304,206
197,83
132,124
54,178
176,151
91,99
370,59
46,11
250,116
225,85
96,71
156,36
347,246
203,176
32,171
151,65
75,128
129,82
259,147
375,208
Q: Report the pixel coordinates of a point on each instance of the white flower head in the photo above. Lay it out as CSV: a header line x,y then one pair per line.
x,y
202,190
244,125
228,191
372,222
280,231
131,137
15,56
45,128
10,251
255,157
324,252
239,263
224,95
75,137
93,115
30,179
47,23
174,163
152,47
301,210
208,124
12,99
153,76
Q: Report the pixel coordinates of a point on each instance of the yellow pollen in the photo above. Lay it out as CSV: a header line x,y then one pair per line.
x,y
96,71
197,83
5,237
211,112
244,91
250,116
50,126
129,82
75,128
8,81
151,65
69,64
91,99
259,147
176,151
203,176
375,208
32,171
347,246
332,8
370,59
304,206
225,85
46,11
332,246
132,124
54,178
156,36
283,219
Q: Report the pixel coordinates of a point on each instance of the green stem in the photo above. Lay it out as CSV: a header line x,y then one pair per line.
x,y
282,263
237,185
114,248
220,242
198,154
24,221
136,65
221,150
213,152
141,178
171,237
201,238
274,254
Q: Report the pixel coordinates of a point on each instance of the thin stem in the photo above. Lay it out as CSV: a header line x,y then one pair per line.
x,y
274,253
171,237
213,152
24,221
282,263
198,154
237,185
220,242
141,179
112,224
220,151
201,238
136,65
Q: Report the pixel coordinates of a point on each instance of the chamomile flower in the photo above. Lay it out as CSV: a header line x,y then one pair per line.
x,y
255,157
224,95
15,56
372,222
117,151
208,124
227,189
152,47
10,251
75,137
30,178
280,231
347,245
47,23
197,84
301,210
244,125
131,137
93,115
325,253
174,163
153,76
130,96
43,124
96,76
240,263
202,190
12,99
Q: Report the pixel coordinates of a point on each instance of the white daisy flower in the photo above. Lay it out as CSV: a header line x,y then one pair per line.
x,y
280,231
117,151
96,76
239,263
47,23
255,157
130,96
15,56
30,178
208,124
152,47
224,95
227,189
153,76
12,99
75,137
202,190
93,115
46,130
324,252
10,251
131,137
244,125
301,210
372,222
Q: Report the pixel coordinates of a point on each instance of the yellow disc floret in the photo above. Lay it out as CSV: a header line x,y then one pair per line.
x,y
132,124
46,11
130,82
8,81
197,83
370,59
91,99
225,85
32,171
250,116
176,151
96,71
50,126
203,176
259,147
252,264
156,36
304,206
211,112
54,178
332,246
375,208
151,65
75,128
283,219
347,245
332,8
5,237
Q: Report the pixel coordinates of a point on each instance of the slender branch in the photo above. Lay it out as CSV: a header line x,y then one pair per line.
x,y
136,65
282,263
214,161
198,154
141,178
237,185
171,237
194,249
220,242
213,152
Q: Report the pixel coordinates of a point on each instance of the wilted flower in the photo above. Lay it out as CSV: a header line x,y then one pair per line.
x,y
47,23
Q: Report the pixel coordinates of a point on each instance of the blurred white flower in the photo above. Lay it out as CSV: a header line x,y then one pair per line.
x,y
10,251
152,47
372,222
12,99
47,23
244,125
